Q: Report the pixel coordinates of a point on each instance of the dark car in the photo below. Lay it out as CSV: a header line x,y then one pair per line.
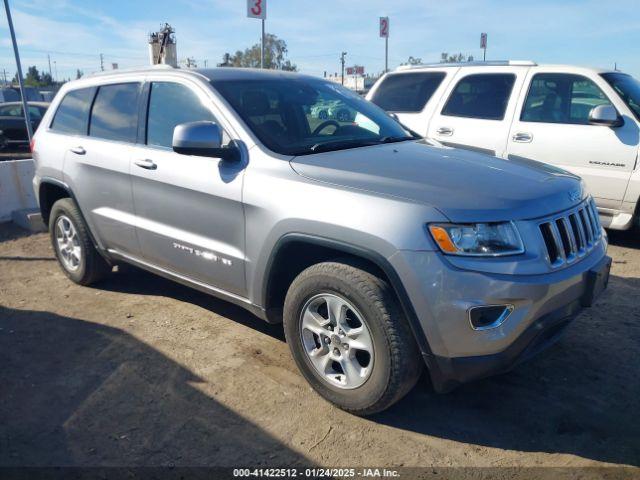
x,y
13,130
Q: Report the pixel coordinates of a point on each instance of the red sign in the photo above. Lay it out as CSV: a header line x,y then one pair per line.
x,y
384,27
257,9
483,40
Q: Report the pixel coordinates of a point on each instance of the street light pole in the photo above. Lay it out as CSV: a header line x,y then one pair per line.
x,y
27,117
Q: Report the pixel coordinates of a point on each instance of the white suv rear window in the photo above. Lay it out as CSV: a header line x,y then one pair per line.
x,y
407,92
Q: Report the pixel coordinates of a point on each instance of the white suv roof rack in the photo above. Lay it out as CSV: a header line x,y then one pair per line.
x,y
160,66
491,63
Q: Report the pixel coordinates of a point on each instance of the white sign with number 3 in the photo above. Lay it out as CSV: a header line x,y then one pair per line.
x,y
257,9
384,27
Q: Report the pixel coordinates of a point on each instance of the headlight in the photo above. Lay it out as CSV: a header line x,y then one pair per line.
x,y
477,239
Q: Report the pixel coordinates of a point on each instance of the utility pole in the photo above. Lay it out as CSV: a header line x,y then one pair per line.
x,y
55,69
4,74
49,59
102,62
342,55
27,117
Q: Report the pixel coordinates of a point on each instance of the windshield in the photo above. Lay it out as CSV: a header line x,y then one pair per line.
x,y
301,116
628,88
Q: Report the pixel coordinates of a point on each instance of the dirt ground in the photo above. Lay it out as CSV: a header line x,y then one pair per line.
x,y
141,371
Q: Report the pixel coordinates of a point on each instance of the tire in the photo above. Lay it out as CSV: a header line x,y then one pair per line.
x,y
394,364
79,260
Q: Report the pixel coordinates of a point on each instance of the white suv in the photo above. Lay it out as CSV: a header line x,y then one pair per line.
x,y
582,120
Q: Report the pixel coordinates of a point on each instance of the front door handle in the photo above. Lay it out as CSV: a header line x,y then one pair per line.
x,y
146,164
78,150
445,131
523,137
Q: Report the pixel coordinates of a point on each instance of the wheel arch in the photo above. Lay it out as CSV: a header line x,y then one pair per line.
x,y
50,191
281,270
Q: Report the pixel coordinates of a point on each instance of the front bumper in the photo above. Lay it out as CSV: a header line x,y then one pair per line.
x,y
442,294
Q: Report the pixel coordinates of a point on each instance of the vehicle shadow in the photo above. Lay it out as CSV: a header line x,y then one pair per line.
x,y
628,239
10,231
580,397
140,282
76,393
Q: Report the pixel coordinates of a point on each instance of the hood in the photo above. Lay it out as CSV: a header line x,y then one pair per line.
x,y
465,186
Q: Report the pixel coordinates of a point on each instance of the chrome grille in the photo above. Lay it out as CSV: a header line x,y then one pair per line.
x,y
572,234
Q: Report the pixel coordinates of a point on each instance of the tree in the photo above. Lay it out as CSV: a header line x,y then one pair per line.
x,y
79,74
46,80
33,78
275,52
459,58
413,61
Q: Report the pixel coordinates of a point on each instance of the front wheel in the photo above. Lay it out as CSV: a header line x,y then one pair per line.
x,y
349,337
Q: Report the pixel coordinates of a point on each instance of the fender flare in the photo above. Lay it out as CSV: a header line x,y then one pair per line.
x,y
374,257
66,188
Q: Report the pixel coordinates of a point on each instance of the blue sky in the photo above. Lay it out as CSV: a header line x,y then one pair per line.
x,y
75,32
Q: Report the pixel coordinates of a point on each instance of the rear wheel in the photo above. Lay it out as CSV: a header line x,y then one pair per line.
x,y
349,337
73,247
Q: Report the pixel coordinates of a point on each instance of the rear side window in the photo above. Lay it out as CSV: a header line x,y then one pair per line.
x,y
483,96
562,98
407,92
171,104
115,112
72,115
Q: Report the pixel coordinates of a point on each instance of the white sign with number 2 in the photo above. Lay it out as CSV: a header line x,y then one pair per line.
x,y
384,27
257,9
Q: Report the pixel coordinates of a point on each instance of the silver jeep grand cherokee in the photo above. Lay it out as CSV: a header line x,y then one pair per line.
x,y
381,252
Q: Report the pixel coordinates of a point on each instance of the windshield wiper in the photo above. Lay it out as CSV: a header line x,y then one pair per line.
x,y
342,144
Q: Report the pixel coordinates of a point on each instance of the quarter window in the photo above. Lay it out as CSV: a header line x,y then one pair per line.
x,y
483,96
407,92
72,115
115,112
171,104
561,98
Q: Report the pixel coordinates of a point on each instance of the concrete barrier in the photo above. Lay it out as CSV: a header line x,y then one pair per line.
x,y
16,189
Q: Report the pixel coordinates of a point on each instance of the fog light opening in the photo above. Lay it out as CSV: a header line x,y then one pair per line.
x,y
485,317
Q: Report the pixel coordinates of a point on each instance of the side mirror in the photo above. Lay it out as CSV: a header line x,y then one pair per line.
x,y
203,139
605,115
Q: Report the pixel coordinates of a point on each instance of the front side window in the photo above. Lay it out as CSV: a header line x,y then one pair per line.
x,y
407,92
115,112
35,113
302,116
628,88
171,104
483,96
72,115
11,111
561,98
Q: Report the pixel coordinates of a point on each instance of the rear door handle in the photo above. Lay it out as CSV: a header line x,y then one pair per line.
x,y
522,137
446,131
78,150
146,164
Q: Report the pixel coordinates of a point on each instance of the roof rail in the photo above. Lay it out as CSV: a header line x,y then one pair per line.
x,y
490,63
160,66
